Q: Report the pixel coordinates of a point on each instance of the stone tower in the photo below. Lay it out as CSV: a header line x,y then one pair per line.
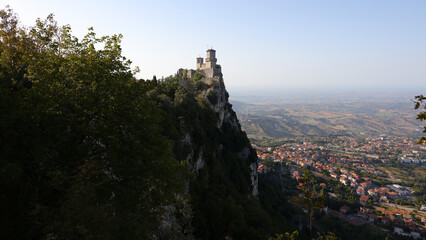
x,y
210,68
200,62
211,58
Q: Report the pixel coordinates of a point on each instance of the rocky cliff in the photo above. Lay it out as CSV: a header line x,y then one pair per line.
x,y
207,136
218,99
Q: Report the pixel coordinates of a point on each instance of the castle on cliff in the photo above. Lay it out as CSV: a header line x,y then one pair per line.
x,y
209,69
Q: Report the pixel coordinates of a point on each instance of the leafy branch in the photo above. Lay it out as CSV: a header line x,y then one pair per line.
x,y
420,104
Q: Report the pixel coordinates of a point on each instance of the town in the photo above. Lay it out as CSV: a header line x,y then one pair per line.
x,y
373,172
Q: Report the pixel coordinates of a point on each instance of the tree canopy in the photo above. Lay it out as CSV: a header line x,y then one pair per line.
x,y
81,149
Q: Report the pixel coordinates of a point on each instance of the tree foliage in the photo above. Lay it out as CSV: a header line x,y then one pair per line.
x,y
81,149
287,236
310,200
420,104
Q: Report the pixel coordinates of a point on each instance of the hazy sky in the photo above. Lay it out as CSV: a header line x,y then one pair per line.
x,y
283,44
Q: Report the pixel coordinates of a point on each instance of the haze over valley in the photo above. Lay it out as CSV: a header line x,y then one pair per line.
x,y
360,113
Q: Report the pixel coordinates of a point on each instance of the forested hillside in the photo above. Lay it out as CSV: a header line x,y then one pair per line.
x,y
87,151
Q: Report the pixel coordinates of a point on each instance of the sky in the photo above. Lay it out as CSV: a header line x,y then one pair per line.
x,y
359,44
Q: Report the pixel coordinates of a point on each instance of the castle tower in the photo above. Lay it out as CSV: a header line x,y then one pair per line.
x,y
200,62
211,58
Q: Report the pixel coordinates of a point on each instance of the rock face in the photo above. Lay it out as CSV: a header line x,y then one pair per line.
x,y
222,183
217,98
221,164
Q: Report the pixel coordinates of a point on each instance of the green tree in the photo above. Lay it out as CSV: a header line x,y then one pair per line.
x,y
310,200
420,103
81,149
268,163
287,236
327,236
295,236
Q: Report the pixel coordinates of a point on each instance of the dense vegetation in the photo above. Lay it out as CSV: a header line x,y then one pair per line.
x,y
89,152
82,154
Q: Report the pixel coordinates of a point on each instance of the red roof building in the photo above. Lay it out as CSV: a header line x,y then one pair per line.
x,y
344,209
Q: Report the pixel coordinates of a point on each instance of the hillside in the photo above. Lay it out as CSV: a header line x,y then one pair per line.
x,y
87,151
208,137
356,119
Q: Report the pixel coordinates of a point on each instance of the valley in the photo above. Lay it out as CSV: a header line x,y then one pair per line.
x,y
360,115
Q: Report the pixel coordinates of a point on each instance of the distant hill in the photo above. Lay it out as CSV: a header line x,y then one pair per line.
x,y
356,119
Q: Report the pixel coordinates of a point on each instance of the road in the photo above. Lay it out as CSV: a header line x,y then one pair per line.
x,y
403,207
317,174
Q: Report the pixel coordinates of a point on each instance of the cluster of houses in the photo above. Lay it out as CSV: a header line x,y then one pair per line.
x,y
337,165
353,219
314,157
364,187
383,145
342,165
366,190
399,218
